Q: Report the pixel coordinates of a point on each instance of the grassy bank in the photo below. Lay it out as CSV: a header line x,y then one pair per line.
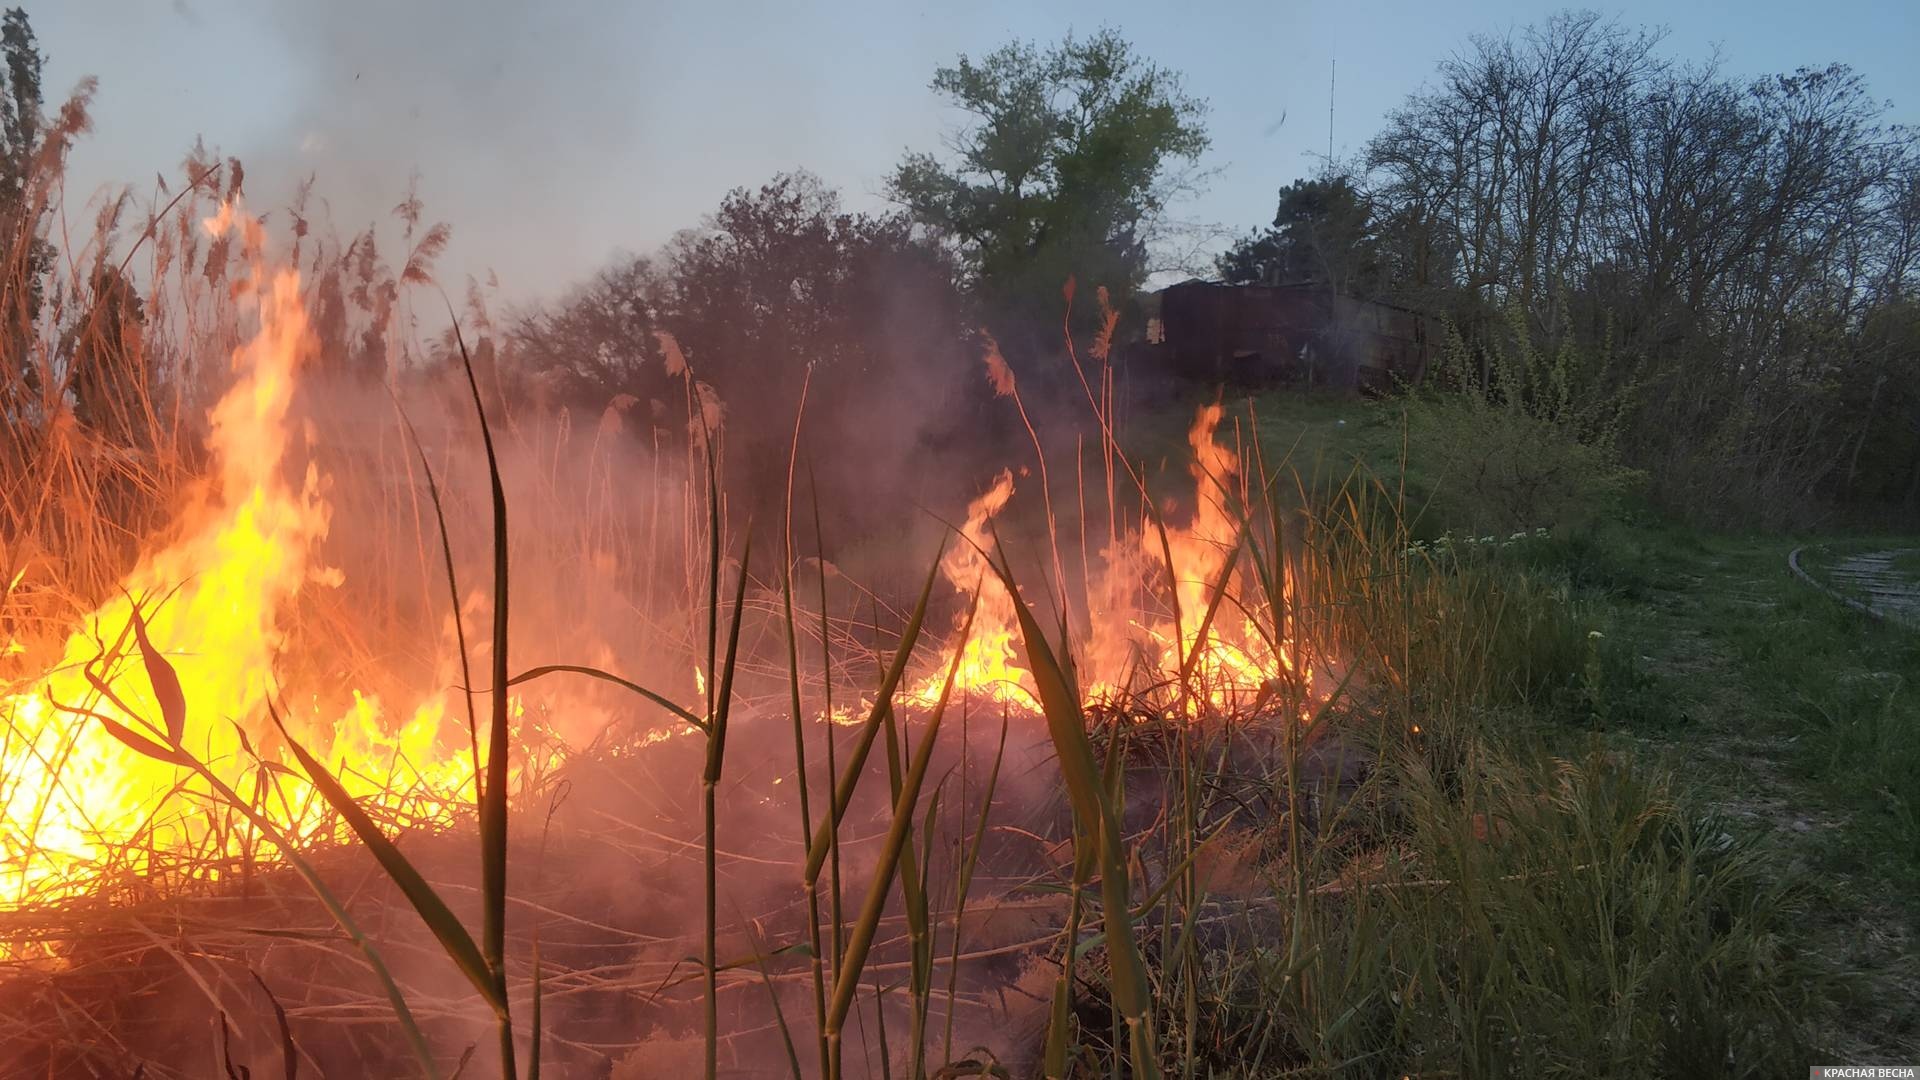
x,y
1784,718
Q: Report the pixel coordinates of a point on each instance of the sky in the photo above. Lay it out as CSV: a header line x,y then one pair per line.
x,y
554,137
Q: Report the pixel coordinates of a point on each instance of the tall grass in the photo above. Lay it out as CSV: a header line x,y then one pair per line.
x,y
1461,902
1538,916
1419,888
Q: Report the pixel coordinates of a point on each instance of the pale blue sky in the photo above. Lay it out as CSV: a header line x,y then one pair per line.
x,y
554,135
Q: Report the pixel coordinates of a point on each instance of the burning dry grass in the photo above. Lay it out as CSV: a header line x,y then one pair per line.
x,y
1220,801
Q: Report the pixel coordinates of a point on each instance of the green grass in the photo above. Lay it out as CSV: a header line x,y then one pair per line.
x,y
1725,645
1907,564
1801,726
1846,689
1551,916
1790,720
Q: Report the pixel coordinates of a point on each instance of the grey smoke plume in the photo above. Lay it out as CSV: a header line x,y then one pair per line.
x,y
551,136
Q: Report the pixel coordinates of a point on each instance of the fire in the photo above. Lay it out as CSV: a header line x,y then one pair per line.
x,y
77,801
1228,666
987,667
1233,660
79,804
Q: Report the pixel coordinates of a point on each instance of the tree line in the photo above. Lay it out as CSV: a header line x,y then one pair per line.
x,y
1738,254
1734,258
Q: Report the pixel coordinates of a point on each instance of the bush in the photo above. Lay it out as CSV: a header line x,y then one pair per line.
x,y
1497,468
1511,438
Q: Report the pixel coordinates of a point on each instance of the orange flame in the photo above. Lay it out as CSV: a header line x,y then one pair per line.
x,y
75,802
987,667
1228,667
1233,661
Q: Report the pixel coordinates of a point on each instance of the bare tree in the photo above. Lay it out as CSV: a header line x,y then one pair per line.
x,y
1729,244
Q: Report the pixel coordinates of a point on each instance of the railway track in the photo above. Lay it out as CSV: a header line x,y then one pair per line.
x,y
1868,582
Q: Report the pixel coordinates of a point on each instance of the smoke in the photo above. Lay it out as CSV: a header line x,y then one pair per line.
x,y
606,575
552,136
501,110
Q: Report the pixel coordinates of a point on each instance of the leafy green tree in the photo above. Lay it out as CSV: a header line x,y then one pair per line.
x,y
19,107
27,256
1064,170
1322,234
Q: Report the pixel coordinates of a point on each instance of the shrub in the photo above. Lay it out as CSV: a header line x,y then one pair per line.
x,y
1513,438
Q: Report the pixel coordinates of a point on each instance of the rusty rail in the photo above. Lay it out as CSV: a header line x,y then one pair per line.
x,y
1864,607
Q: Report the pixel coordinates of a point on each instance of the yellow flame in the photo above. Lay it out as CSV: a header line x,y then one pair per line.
x,y
76,802
986,664
1227,669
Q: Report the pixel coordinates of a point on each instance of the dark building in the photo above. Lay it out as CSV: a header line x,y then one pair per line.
x,y
1258,335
